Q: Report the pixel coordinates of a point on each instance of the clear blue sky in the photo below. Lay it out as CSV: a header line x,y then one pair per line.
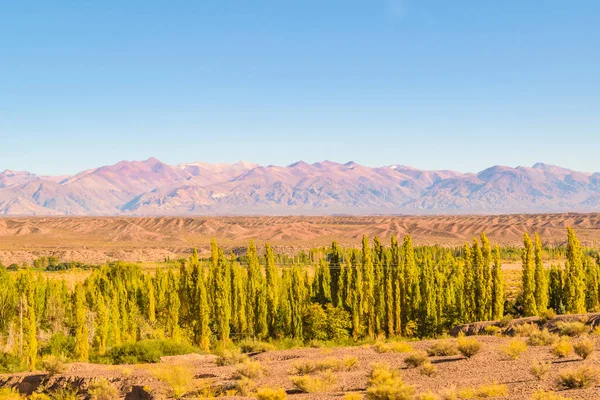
x,y
433,84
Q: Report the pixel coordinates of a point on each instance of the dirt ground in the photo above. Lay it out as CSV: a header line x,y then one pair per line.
x,y
97,239
453,372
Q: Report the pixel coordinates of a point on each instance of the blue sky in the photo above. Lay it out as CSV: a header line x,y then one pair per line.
x,y
434,84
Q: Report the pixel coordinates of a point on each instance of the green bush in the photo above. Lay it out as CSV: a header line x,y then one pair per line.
x,y
10,363
542,338
443,348
254,346
59,345
572,329
416,359
584,348
147,351
54,365
468,347
102,389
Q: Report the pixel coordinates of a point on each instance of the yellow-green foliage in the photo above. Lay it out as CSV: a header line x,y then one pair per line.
x,y
314,384
468,347
39,396
514,348
542,338
562,348
386,384
177,377
483,392
526,329
249,369
267,393
584,348
580,378
245,386
353,396
327,364
443,348
9,394
392,347
539,369
54,365
416,359
65,394
541,395
427,396
575,328
255,346
102,389
428,369
231,357
491,330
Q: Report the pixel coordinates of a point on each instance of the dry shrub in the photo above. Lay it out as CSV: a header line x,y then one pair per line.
x,y
562,348
102,389
468,347
514,348
386,384
547,315
416,359
231,357
443,348
427,396
255,346
483,392
38,396
64,394
541,395
54,365
353,396
526,329
245,386
327,364
428,369
580,378
177,377
267,393
584,348
539,369
392,347
576,328
491,330
9,394
314,384
249,369
542,338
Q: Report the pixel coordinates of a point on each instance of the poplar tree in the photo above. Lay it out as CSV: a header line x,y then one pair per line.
x,y
528,278
480,285
322,283
272,283
102,325
355,294
411,290
397,279
203,319
173,304
486,250
574,276
541,278
82,346
380,288
222,307
151,301
591,282
497,286
469,285
253,288
368,273
335,261
239,299
556,289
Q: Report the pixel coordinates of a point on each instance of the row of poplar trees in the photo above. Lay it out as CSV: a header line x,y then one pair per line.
x,y
376,290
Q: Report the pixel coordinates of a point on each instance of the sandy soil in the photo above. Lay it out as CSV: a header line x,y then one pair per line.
x,y
97,239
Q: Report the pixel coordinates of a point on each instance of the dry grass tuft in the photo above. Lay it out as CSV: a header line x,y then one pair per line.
x,y
541,395
514,348
314,384
562,348
386,384
468,347
580,378
250,370
443,348
428,369
573,329
416,359
584,348
267,393
392,347
543,338
540,369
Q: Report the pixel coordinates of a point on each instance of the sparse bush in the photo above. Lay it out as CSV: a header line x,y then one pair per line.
x,y
562,348
231,357
427,396
542,338
39,396
580,378
9,394
547,315
314,384
468,347
353,396
506,320
392,347
386,384
253,346
102,389
65,394
416,359
539,369
443,348
245,386
327,364
147,351
249,369
584,348
10,363
267,393
483,391
492,330
177,377
541,395
576,328
54,365
526,329
428,369
514,348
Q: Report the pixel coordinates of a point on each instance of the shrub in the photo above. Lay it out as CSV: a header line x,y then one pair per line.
x,y
250,369
65,394
353,396
39,396
428,369
483,391
386,384
102,389
177,377
147,351
539,369
267,393
416,359
580,378
392,347
252,346
443,348
54,365
245,386
427,396
584,348
547,315
562,348
542,338
468,347
541,395
9,394
314,384
327,364
59,345
506,320
10,363
231,357
491,330
514,348
526,329
572,329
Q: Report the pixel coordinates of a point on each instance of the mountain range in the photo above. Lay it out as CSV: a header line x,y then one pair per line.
x,y
152,187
